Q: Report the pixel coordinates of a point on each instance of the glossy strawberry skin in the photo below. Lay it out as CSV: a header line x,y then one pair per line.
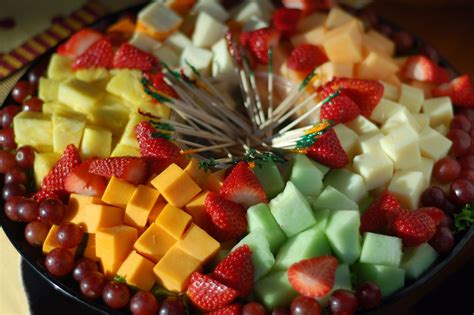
x,y
376,217
80,181
79,42
158,82
261,40
98,55
459,90
234,309
286,20
130,57
131,169
305,58
414,227
44,194
327,150
69,160
421,68
340,109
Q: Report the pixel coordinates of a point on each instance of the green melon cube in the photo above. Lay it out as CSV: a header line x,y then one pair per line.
x,y
306,176
270,178
274,290
323,168
285,169
380,249
342,280
292,211
350,184
417,260
333,199
388,278
260,219
343,233
310,243
262,256
322,218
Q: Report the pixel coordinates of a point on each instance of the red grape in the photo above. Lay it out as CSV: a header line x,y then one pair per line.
x,y
368,295
36,232
25,156
51,211
469,113
450,208
172,306
302,305
16,176
8,113
281,311
461,122
84,266
7,139
116,294
433,197
461,191
403,41
467,174
11,190
442,241
36,73
467,162
22,90
144,303
92,284
11,209
253,308
430,52
385,29
461,142
32,104
59,262
69,235
342,302
446,170
446,222
7,161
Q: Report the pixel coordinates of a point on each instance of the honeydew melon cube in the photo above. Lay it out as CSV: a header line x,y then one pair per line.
x,y
213,8
388,278
376,66
261,220
315,36
401,145
275,290
375,168
343,233
199,58
344,44
79,95
167,55
416,260
407,187
439,109
323,168
338,17
370,142
322,218
385,109
306,176
342,280
390,91
60,68
401,117
48,89
381,249
43,163
96,142
350,184
426,168
34,129
270,178
362,126
292,211
126,84
310,243
411,97
67,129
207,31
112,114
433,145
262,256
422,120
222,61
178,41
348,139
331,198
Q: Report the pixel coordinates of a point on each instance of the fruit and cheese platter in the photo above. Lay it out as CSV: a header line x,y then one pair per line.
x,y
239,157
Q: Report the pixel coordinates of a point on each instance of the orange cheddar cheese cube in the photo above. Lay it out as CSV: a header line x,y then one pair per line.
x,y
113,245
75,207
138,271
344,44
51,241
176,186
197,243
155,212
197,174
90,251
214,181
197,209
175,268
118,192
154,242
140,205
100,216
173,220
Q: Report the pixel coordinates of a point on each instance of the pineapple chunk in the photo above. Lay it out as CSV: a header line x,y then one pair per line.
x,y
35,129
112,114
126,84
79,95
156,109
96,142
128,136
48,89
125,150
67,128
60,68
92,75
44,162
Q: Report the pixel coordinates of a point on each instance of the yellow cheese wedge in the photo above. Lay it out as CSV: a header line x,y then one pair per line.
x,y
155,212
173,220
140,205
97,217
76,205
138,271
90,251
197,209
154,243
118,192
197,243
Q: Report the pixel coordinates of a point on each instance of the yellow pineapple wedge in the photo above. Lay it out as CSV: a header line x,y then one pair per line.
x,y
111,113
125,150
79,95
67,128
96,142
44,162
128,136
92,75
60,68
126,84
48,89
35,129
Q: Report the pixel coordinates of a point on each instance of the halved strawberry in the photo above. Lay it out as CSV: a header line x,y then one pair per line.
x,y
435,213
313,277
80,181
309,6
79,42
44,194
421,68
340,109
236,270
234,309
98,55
305,57
158,81
261,40
243,187
69,160
227,219
286,20
459,90
209,294
130,57
131,169
414,227
327,150
375,218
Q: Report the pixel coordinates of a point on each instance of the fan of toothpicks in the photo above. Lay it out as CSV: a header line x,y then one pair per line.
x,y
219,131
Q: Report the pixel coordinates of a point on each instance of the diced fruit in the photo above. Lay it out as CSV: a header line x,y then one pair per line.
x,y
59,68
96,142
54,181
43,163
158,21
362,126
126,84
417,260
344,43
306,176
411,97
130,57
388,278
328,151
421,68
261,40
342,280
26,126
350,184
131,169
439,110
343,233
262,256
433,144
380,249
48,89
80,181
384,110
270,178
209,294
139,207
79,95
348,139
67,129
207,30
261,220
400,117
340,109
376,65
275,290
414,227
112,114
137,271
375,218
79,42
401,145
331,198
97,55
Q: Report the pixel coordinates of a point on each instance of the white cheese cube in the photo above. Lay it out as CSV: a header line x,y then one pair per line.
x,y
207,31
390,91
167,55
222,61
350,184
442,129
411,97
212,7
422,120
439,109
362,126
348,139
158,20
401,145
199,58
178,42
384,110
375,168
143,41
401,117
253,24
407,187
251,8
426,168
370,142
433,145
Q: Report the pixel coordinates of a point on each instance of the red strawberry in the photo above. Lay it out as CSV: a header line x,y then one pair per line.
x,y
340,109
313,277
459,90
234,309
243,187
44,194
365,93
158,82
227,219
54,181
305,57
261,40
327,150
421,68
244,38
286,20
435,213
375,217
98,55
130,57
309,6
236,270
209,294
80,181
131,169
414,227
79,42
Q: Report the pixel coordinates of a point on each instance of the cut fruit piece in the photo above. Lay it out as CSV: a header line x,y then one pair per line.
x,y
407,187
380,249
48,89
344,44
376,66
79,95
370,143
416,260
426,168
291,210
338,17
261,220
275,290
362,126
376,169
307,244
388,278
270,178
390,92
208,30
333,199
307,178
60,68
44,162
262,256
342,280
96,142
200,58
34,129
343,233
67,128
112,114
322,218
350,184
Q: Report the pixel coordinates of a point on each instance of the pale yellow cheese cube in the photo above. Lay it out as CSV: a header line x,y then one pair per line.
x,y
48,89
96,142
60,68
207,30
43,163
338,17
79,95
67,129
411,97
158,21
125,150
442,129
422,120
344,44
315,36
222,63
143,41
34,129
401,117
373,40
390,91
199,58
167,55
407,187
384,110
376,66
433,145
328,70
401,145
348,139
426,168
178,41
370,142
126,84
439,109
361,125
375,168
111,113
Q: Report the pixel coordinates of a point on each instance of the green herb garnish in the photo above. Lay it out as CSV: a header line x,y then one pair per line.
x,y
464,219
